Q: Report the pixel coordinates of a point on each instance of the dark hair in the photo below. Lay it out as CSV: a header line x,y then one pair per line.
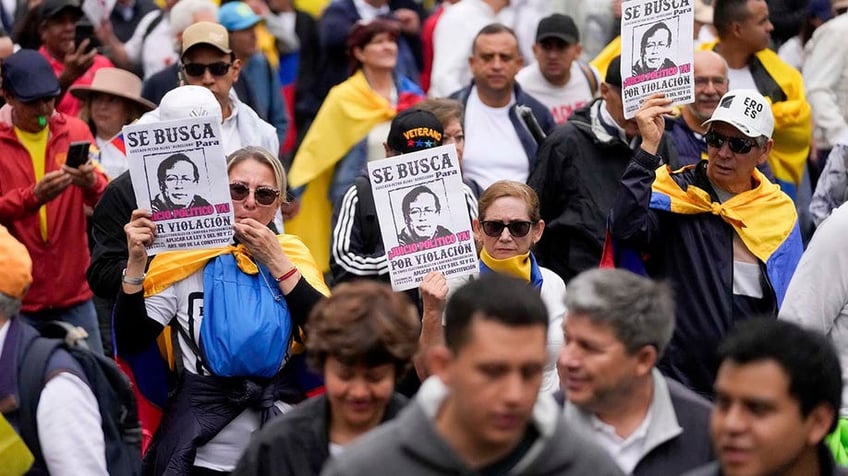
x,y
362,32
363,322
493,297
413,194
652,31
725,12
169,163
494,29
807,357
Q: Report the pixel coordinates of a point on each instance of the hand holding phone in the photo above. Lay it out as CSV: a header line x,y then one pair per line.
x,y
77,154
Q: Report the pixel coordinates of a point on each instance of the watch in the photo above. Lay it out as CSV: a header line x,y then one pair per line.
x,y
132,281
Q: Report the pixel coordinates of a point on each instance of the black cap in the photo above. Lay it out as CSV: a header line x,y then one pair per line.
x,y
558,26
28,76
415,129
613,77
51,8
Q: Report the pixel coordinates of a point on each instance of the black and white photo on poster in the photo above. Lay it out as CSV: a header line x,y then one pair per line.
x,y
657,49
179,173
422,215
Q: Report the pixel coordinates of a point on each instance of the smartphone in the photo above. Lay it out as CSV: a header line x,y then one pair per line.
x,y
84,31
77,154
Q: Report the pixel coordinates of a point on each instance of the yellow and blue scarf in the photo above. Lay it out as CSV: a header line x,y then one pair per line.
x,y
521,266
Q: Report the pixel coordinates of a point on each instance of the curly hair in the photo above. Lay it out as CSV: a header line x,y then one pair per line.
x,y
363,322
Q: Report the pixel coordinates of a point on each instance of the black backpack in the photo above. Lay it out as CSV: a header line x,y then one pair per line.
x,y
115,398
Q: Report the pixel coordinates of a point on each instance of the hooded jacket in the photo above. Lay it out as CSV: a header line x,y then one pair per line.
x,y
411,445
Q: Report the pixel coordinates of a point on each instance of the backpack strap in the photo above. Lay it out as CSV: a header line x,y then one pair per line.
x,y
590,78
150,26
31,380
367,213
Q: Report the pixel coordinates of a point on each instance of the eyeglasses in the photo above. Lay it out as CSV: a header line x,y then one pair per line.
x,y
516,228
417,213
737,145
197,69
263,195
175,179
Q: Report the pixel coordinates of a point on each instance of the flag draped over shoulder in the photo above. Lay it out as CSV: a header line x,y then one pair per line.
x,y
348,114
150,370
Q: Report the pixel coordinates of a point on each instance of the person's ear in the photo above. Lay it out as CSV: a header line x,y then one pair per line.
x,y
765,154
538,229
438,361
236,69
646,359
817,423
477,229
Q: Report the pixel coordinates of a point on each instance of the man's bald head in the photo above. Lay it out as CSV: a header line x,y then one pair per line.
x,y
710,84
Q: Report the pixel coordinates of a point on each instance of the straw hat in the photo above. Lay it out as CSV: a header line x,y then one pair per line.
x,y
117,82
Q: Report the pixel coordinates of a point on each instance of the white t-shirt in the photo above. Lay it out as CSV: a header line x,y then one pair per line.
x,y
561,100
157,51
231,139
493,150
741,78
625,451
113,161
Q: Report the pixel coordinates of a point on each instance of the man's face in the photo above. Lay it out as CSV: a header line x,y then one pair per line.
x,y
596,370
219,85
756,29
656,48
757,427
495,62
422,216
243,42
555,57
615,106
26,114
731,170
494,380
710,84
58,33
179,184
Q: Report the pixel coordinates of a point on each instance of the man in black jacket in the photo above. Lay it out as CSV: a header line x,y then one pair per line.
x,y
578,168
617,328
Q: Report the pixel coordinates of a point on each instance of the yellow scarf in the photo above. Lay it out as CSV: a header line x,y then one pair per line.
x,y
349,112
516,266
173,266
752,214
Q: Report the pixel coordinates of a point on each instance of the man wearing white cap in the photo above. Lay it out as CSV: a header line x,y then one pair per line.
x,y
726,237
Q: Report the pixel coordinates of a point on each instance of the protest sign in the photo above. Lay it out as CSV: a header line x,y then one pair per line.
x,y
179,172
657,47
423,216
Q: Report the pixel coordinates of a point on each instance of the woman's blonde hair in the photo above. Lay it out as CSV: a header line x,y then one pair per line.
x,y
509,188
261,155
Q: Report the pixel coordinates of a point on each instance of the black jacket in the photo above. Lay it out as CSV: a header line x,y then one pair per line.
x,y
577,172
695,253
298,443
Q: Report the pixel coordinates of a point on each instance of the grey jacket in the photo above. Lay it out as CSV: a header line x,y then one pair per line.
x,y
678,436
827,466
410,445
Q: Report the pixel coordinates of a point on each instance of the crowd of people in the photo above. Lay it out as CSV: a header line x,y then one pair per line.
x,y
659,294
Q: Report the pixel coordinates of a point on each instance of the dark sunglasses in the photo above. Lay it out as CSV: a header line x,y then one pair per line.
x,y
737,145
263,195
516,228
197,69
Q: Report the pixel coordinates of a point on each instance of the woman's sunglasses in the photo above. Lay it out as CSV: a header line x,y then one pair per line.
x,y
516,228
197,69
737,145
263,195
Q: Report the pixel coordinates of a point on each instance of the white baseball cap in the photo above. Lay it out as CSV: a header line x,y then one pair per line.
x,y
746,110
189,101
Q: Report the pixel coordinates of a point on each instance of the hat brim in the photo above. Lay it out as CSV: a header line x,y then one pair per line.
x,y
55,11
204,43
85,92
244,23
34,97
570,39
737,125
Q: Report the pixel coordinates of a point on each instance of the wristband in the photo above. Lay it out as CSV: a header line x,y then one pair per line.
x,y
132,281
288,275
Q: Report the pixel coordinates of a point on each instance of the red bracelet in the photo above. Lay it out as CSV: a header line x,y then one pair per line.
x,y
288,275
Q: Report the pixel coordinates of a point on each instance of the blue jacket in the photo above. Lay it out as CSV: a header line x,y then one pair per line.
x,y
695,253
542,113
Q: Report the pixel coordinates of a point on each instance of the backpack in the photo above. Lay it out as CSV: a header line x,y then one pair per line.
x,y
115,399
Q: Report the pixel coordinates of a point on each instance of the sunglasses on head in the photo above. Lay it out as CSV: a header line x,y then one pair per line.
x,y
516,228
263,195
737,145
197,69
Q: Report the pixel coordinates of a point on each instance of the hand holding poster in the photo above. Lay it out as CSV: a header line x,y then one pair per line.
x,y
98,11
657,47
423,217
179,172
